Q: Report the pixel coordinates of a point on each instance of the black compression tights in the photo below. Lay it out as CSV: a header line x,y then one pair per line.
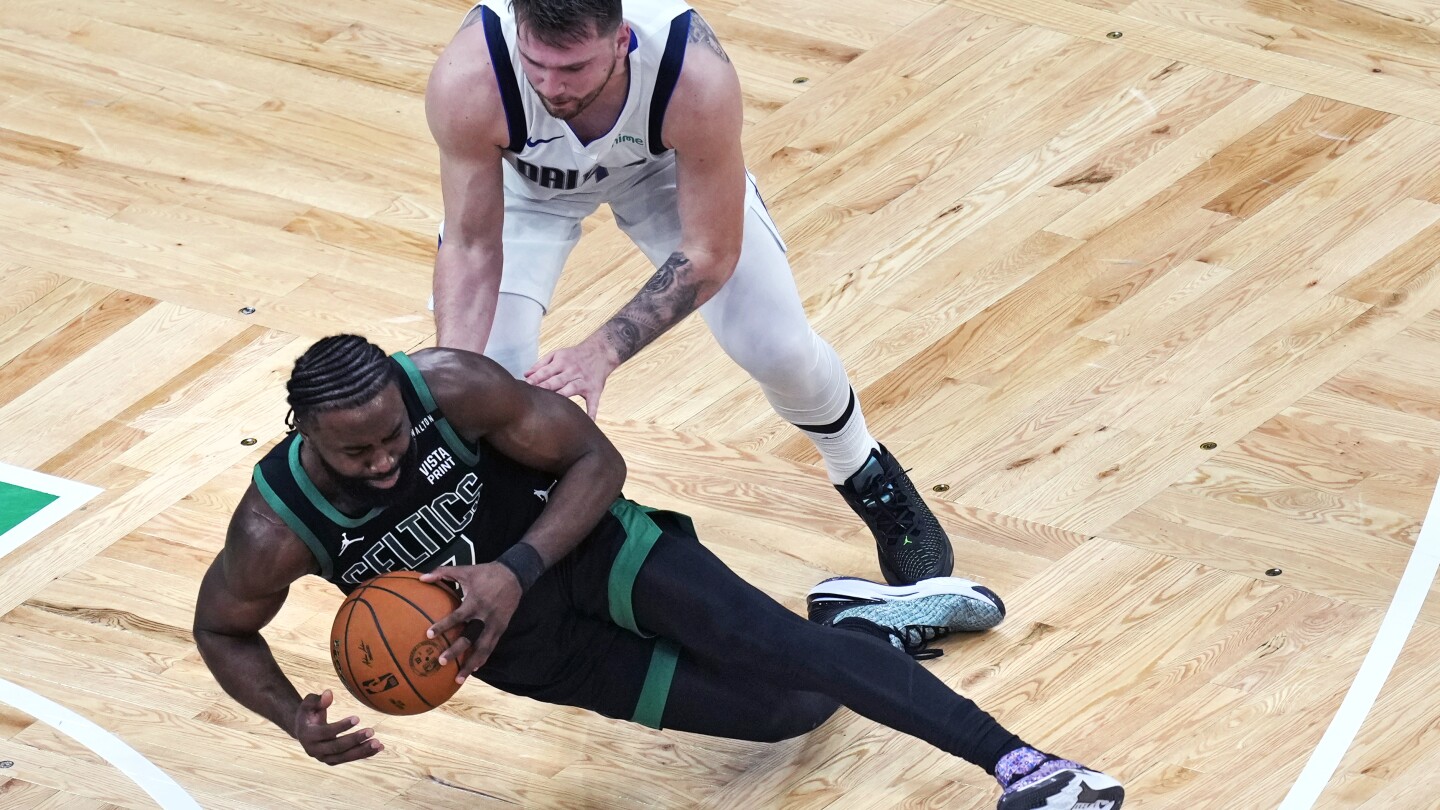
x,y
753,670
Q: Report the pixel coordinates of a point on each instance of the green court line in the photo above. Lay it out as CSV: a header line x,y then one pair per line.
x,y
18,503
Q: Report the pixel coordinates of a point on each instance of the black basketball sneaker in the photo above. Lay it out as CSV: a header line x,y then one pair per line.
x,y
1062,784
911,616
911,544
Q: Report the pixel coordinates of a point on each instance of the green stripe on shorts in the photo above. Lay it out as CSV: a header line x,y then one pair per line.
x,y
640,536
650,708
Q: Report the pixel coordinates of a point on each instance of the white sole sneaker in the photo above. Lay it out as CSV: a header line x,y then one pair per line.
x,y
951,603
1070,789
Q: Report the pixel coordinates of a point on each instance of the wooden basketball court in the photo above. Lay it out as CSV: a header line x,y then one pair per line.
x,y
1147,292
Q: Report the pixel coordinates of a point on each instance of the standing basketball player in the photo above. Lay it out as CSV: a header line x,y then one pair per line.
x,y
543,110
443,463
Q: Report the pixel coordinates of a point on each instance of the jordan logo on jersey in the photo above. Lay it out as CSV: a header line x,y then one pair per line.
x,y
346,541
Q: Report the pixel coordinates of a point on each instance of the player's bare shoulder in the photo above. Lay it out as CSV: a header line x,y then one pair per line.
x,y
462,99
262,553
703,36
471,389
457,369
706,105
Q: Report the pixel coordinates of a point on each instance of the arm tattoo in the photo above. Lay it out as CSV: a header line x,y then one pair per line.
x,y
671,294
700,31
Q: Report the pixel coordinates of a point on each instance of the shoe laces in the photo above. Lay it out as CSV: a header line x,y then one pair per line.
x,y
925,633
888,505
916,638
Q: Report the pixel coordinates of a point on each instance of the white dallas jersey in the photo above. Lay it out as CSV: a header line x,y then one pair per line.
x,y
546,160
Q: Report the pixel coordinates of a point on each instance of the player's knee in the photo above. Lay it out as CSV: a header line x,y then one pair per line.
x,y
798,713
755,639
777,357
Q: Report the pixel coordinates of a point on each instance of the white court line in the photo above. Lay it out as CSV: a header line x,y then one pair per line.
x,y
127,760
71,496
1389,640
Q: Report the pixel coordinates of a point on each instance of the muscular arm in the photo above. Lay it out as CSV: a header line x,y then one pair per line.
x,y
467,120
702,125
240,594
537,428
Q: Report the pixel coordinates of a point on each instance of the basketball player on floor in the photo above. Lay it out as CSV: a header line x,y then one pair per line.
x,y
543,110
442,462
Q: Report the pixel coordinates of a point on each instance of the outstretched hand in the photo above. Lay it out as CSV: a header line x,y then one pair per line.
x,y
580,370
491,594
331,743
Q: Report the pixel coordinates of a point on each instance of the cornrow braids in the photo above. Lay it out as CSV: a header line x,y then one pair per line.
x,y
563,22
340,371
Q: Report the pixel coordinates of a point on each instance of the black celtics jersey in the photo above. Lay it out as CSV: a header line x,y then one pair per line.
x,y
469,505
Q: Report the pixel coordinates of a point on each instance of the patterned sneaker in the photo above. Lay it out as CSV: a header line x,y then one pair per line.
x,y
912,615
1034,780
912,546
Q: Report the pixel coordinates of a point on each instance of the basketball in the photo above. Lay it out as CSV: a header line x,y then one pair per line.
x,y
379,648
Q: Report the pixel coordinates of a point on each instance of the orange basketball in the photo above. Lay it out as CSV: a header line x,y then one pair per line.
x,y
379,648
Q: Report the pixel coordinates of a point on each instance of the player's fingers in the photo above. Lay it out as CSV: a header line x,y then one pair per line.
x,y
322,746
544,373
349,748
318,744
579,387
469,636
560,378
484,645
456,618
455,651
313,706
478,655
356,753
539,364
443,572
320,732
583,389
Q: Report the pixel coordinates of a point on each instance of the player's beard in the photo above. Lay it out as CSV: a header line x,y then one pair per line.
x,y
359,490
571,111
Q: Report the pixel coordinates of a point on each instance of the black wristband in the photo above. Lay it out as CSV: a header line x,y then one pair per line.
x,y
524,562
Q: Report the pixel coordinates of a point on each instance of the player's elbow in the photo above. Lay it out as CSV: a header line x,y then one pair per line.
x,y
208,642
716,262
726,258
614,465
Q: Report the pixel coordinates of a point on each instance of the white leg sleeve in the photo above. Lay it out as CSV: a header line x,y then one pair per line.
x,y
759,321
515,338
